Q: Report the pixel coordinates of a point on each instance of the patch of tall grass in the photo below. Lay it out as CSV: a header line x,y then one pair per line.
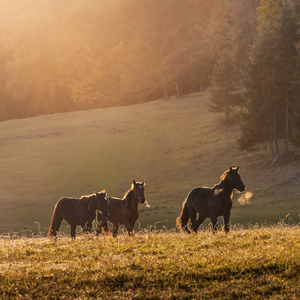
x,y
258,262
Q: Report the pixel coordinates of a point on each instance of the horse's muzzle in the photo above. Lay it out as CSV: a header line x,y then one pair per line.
x,y
142,201
241,188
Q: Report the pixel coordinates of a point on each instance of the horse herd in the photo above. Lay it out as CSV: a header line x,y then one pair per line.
x,y
206,202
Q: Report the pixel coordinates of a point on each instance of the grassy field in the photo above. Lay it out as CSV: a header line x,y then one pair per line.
x,y
174,145
255,263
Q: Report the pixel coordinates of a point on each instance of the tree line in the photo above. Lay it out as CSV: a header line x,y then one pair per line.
x,y
59,55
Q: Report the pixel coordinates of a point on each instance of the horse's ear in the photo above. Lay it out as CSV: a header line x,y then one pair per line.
x,y
143,183
237,169
230,169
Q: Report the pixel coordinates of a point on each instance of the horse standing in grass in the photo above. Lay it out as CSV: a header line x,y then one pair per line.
x,y
210,202
123,211
78,211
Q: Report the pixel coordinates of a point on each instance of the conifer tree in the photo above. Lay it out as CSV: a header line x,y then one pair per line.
x,y
269,82
222,80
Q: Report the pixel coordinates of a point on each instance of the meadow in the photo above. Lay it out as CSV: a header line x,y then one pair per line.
x,y
174,145
252,263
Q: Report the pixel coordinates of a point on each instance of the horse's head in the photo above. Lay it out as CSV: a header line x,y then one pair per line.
x,y
102,203
234,179
139,191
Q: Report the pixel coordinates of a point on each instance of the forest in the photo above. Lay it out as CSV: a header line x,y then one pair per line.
x,y
60,56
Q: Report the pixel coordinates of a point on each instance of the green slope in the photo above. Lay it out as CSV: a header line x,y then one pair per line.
x,y
174,145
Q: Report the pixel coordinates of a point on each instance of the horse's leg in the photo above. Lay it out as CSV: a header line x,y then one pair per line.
x,y
199,222
89,227
214,221
103,224
115,230
193,214
86,227
98,222
73,230
105,227
99,227
129,227
226,222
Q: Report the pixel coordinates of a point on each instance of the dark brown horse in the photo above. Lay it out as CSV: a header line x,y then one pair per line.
x,y
78,211
123,211
210,202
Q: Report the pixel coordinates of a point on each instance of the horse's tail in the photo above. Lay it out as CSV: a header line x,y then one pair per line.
x,y
52,227
183,220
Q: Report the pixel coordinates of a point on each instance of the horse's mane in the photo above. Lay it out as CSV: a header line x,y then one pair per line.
x,y
101,192
221,183
92,195
224,175
127,193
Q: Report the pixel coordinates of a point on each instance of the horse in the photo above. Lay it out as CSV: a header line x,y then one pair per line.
x,y
123,211
78,211
210,202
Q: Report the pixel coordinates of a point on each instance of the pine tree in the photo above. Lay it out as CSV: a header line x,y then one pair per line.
x,y
222,80
235,36
288,37
269,82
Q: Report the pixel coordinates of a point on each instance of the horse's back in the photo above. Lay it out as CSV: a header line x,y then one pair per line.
x,y
68,207
115,203
66,202
115,208
199,193
198,198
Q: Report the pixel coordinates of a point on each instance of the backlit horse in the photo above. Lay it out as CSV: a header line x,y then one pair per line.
x,y
78,211
210,202
123,211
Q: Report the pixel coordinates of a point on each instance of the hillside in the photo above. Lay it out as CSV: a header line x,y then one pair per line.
x,y
174,145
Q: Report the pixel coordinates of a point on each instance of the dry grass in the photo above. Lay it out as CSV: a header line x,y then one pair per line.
x,y
247,263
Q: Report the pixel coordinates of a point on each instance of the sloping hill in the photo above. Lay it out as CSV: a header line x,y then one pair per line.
x,y
174,145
